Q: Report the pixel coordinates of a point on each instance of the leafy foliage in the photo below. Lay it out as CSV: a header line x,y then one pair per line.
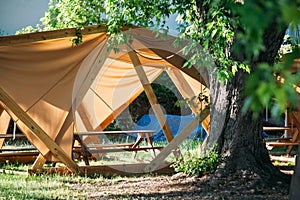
x,y
268,82
277,83
149,13
73,13
195,163
70,14
233,33
78,39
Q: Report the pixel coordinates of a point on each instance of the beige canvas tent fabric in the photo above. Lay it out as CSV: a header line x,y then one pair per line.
x,y
39,76
117,83
57,83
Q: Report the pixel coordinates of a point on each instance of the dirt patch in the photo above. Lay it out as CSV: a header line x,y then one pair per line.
x,y
179,186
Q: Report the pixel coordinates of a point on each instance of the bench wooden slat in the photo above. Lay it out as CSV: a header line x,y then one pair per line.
x,y
123,149
283,143
106,145
112,132
275,128
11,135
11,154
280,139
18,149
110,145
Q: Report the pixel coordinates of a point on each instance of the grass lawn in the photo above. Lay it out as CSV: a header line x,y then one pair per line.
x,y
17,186
22,186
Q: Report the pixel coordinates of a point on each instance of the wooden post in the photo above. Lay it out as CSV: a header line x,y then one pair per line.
x,y
295,130
56,150
38,163
151,95
156,162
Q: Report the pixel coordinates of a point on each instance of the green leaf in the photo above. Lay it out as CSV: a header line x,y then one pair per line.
x,y
214,33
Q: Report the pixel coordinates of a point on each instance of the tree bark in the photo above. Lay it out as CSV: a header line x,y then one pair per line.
x,y
238,136
295,183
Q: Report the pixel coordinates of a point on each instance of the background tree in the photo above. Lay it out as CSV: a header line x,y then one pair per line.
x,y
243,38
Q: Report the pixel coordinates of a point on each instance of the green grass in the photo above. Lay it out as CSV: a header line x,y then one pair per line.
x,y
280,163
282,150
15,186
14,166
18,186
23,186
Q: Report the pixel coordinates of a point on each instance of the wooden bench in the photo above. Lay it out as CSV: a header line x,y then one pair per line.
x,y
283,141
19,154
87,150
16,149
20,157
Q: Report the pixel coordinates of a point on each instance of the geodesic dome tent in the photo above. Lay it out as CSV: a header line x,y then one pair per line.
x,y
52,88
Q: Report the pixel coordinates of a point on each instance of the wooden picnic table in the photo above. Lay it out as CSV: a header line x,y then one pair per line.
x,y
88,149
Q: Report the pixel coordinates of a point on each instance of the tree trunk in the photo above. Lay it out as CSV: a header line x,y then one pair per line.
x,y
295,183
239,136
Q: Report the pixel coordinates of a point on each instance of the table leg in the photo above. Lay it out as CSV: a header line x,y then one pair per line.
x,y
84,150
137,143
150,144
295,138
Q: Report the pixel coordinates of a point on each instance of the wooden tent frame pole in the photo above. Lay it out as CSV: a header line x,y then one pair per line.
x,y
4,123
56,150
48,35
151,95
156,162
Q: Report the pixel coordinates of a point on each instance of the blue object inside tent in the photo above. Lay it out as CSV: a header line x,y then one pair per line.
x,y
176,123
265,134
